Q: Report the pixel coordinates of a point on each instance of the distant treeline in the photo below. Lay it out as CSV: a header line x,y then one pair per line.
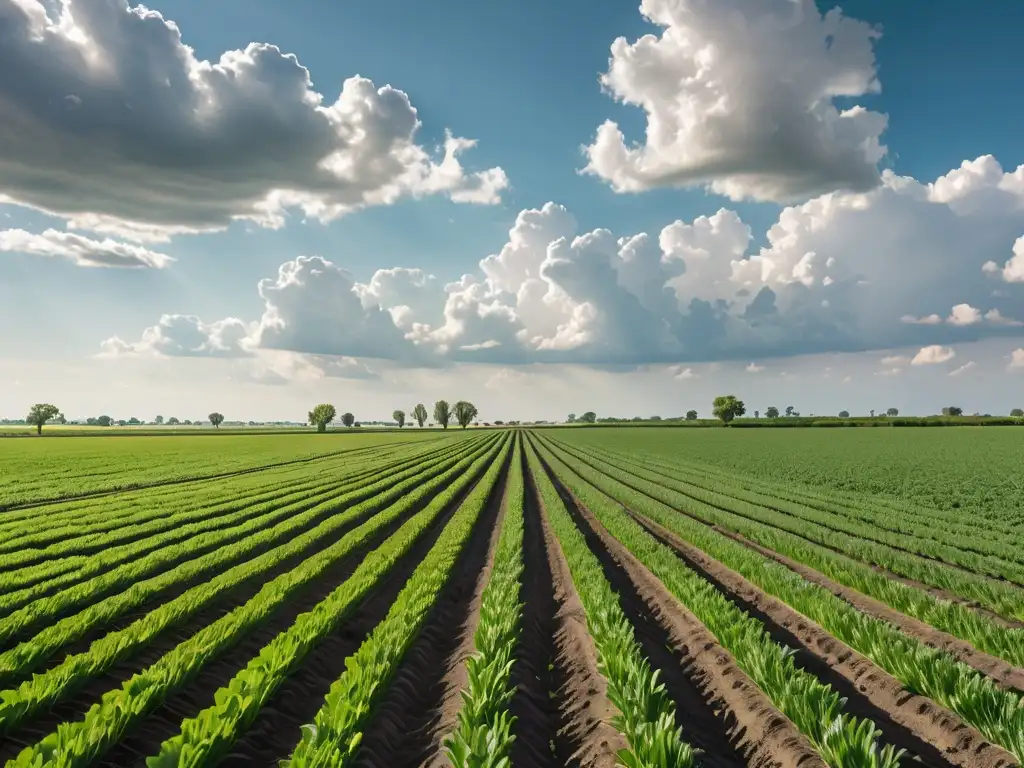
x,y
820,421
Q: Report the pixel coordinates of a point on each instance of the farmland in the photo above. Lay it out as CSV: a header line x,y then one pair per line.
x,y
588,596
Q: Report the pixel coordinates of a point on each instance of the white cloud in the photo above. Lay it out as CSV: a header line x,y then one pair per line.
x,y
963,368
926,320
82,251
995,316
185,336
964,314
740,95
679,372
1013,270
754,368
692,292
114,124
895,360
1017,358
933,354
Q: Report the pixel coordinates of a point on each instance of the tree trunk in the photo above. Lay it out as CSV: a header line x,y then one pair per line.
x,y
39,429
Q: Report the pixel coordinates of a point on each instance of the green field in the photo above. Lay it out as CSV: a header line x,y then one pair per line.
x,y
547,597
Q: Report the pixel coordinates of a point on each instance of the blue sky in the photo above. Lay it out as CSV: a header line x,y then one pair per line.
x,y
522,80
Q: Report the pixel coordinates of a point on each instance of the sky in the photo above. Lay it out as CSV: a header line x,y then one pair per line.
x,y
544,208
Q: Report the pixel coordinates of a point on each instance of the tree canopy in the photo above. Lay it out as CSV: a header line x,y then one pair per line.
x,y
844,414
442,413
40,413
589,417
464,412
420,414
348,419
772,412
216,419
322,415
728,407
399,416
691,415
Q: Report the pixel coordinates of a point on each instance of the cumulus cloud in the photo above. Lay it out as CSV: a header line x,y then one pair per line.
x,y
895,360
1013,270
740,95
679,372
754,368
185,336
82,251
1017,359
112,122
896,267
933,354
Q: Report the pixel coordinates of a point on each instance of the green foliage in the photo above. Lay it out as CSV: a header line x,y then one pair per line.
x,y
646,714
399,417
322,415
442,413
771,412
420,414
464,413
727,408
483,738
348,419
691,415
216,419
40,413
589,417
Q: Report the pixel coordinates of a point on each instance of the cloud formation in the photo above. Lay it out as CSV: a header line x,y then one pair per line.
x,y
740,95
82,251
933,354
899,266
112,122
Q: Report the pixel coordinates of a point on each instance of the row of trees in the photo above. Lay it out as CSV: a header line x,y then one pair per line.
x,y
45,413
463,412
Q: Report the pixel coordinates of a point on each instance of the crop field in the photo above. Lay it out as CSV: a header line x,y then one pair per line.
x,y
529,597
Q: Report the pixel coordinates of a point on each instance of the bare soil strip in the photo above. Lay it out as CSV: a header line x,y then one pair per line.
x,y
932,733
585,710
537,727
1001,672
649,608
422,702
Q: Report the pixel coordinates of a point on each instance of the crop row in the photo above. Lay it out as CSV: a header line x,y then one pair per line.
x,y
483,737
999,597
814,708
77,519
337,727
281,536
646,715
995,712
77,744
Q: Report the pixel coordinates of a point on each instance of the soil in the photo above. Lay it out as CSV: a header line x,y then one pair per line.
x,y
934,734
721,710
422,702
1001,671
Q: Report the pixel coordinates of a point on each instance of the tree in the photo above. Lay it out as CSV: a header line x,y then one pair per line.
x,y
952,410
772,412
691,415
61,419
872,413
104,421
399,416
728,407
1017,413
186,422
420,414
589,417
216,419
348,419
322,415
789,410
571,419
464,413
892,412
173,420
844,414
40,413
757,414
442,413
158,420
